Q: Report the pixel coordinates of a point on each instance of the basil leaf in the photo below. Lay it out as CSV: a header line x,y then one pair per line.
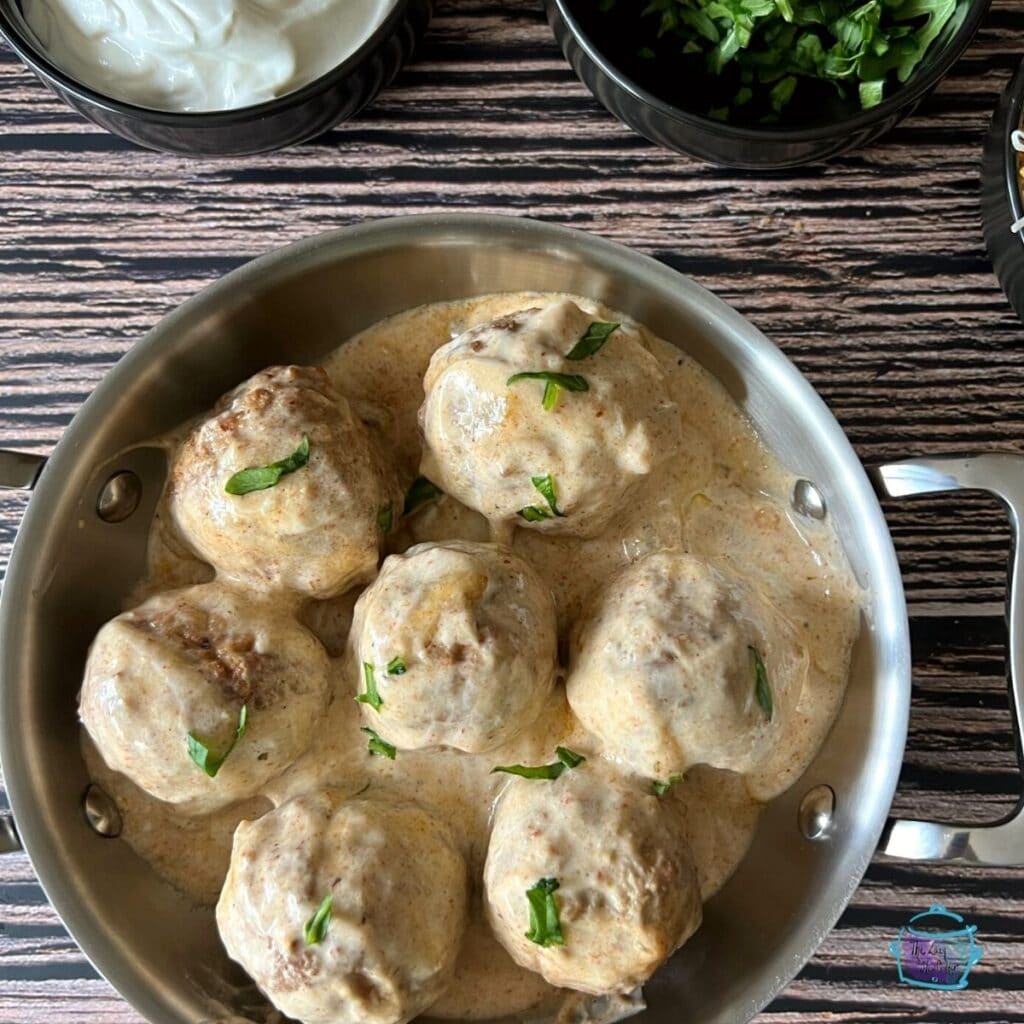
x,y
545,926
661,788
259,478
555,381
384,518
371,697
566,759
762,688
592,341
546,486
316,926
200,752
377,745
397,666
421,490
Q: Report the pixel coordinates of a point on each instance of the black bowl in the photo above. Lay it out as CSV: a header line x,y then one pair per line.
x,y
1001,206
284,121
645,95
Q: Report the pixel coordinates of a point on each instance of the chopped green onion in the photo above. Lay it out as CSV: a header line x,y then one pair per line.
x,y
259,478
377,745
199,749
397,666
371,697
316,926
545,926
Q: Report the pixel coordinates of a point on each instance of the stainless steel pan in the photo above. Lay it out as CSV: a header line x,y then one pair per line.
x,y
81,546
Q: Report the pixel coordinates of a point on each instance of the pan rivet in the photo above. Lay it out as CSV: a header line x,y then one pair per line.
x,y
101,812
808,500
816,810
119,497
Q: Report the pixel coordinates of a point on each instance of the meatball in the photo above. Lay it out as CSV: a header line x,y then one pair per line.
x,y
203,669
457,641
614,861
500,447
681,663
317,529
345,912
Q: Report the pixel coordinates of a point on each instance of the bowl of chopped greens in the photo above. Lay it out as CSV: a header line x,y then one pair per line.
x,y
1002,192
763,83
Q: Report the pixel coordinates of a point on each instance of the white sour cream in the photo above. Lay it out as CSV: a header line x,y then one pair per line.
x,y
200,55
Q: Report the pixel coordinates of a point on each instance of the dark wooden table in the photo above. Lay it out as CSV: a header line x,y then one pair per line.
x,y
870,272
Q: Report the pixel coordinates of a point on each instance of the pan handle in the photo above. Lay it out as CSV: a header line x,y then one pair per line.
x,y
10,841
19,471
1000,843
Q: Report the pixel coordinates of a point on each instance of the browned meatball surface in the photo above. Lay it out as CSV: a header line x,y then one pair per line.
x,y
391,890
204,667
318,528
619,870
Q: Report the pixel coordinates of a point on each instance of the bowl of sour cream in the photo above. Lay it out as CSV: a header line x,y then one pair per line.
x,y
215,77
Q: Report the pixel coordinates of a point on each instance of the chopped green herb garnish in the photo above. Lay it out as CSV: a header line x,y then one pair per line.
x,y
378,745
762,688
772,45
397,666
592,341
536,513
533,514
566,759
200,752
259,478
316,926
545,927
554,383
661,788
569,757
421,490
384,518
546,486
371,697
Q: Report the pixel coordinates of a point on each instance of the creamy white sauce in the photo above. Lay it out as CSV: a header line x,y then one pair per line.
x,y
200,55
726,500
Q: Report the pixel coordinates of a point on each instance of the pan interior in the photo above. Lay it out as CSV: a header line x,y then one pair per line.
x,y
70,572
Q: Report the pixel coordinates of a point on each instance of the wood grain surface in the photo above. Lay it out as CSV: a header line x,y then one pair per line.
x,y
870,272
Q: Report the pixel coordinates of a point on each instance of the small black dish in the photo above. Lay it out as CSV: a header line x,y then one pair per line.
x,y
645,94
1001,206
280,122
